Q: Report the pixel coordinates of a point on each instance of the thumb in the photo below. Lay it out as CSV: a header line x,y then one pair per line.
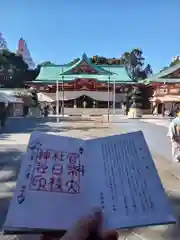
x,y
84,227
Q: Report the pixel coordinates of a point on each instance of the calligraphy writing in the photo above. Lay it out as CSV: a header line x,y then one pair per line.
x,y
21,196
38,183
72,186
134,192
102,203
36,144
28,171
57,171
41,167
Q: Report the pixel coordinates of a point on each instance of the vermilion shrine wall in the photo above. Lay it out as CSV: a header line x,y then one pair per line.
x,y
166,89
83,84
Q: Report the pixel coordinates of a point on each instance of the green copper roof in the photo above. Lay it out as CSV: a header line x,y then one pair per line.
x,y
161,76
50,74
97,69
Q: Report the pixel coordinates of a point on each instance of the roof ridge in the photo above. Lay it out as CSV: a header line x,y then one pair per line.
x,y
109,65
89,62
165,72
56,65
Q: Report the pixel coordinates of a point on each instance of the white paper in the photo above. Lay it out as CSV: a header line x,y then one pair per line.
x,y
45,207
125,182
118,175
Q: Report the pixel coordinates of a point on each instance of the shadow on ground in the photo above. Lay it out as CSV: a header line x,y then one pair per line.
x,y
28,125
9,169
4,204
10,162
173,231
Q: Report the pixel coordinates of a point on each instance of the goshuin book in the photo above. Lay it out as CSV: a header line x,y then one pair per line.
x,y
62,179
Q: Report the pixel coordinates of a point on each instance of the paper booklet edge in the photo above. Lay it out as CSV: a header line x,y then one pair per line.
x,y
22,231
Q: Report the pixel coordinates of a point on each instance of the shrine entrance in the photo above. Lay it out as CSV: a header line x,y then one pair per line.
x,y
84,102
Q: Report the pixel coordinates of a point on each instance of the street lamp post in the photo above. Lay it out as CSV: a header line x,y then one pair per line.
x,y
108,96
114,97
63,92
57,100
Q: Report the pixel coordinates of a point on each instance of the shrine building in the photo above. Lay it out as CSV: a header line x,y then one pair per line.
x,y
165,88
84,81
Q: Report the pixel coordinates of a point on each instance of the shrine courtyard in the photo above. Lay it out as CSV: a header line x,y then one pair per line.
x,y
14,140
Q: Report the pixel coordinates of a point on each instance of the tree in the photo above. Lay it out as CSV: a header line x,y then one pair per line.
x,y
101,60
46,63
14,71
29,96
125,58
136,97
74,61
134,63
127,101
176,60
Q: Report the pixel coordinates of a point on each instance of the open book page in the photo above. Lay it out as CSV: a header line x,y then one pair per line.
x,y
51,187
125,182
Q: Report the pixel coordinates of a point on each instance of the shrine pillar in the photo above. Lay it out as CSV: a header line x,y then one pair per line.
x,y
94,104
75,104
84,104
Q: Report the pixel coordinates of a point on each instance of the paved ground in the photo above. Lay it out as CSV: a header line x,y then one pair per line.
x,y
13,143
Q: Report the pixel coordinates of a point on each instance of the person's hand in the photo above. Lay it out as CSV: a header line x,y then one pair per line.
x,y
88,228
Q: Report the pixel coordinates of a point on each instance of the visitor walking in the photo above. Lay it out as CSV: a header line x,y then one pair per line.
x,y
25,110
54,109
174,134
46,110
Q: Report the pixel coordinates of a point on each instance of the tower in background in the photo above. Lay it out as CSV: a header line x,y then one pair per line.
x,y
24,52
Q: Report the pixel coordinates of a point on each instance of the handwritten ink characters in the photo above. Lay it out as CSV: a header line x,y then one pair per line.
x,y
57,171
39,177
102,203
75,171
36,144
72,186
28,170
21,196
38,182
81,150
31,153
55,182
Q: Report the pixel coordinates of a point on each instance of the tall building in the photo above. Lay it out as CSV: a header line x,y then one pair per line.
x,y
24,52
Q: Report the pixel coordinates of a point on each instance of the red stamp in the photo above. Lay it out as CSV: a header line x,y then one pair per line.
x,y
57,172
57,169
39,183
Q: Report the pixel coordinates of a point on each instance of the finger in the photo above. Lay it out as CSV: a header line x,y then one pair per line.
x,y
46,237
89,224
110,235
83,228
52,235
97,221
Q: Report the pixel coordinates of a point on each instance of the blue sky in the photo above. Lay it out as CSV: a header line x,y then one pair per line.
x,y
60,30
